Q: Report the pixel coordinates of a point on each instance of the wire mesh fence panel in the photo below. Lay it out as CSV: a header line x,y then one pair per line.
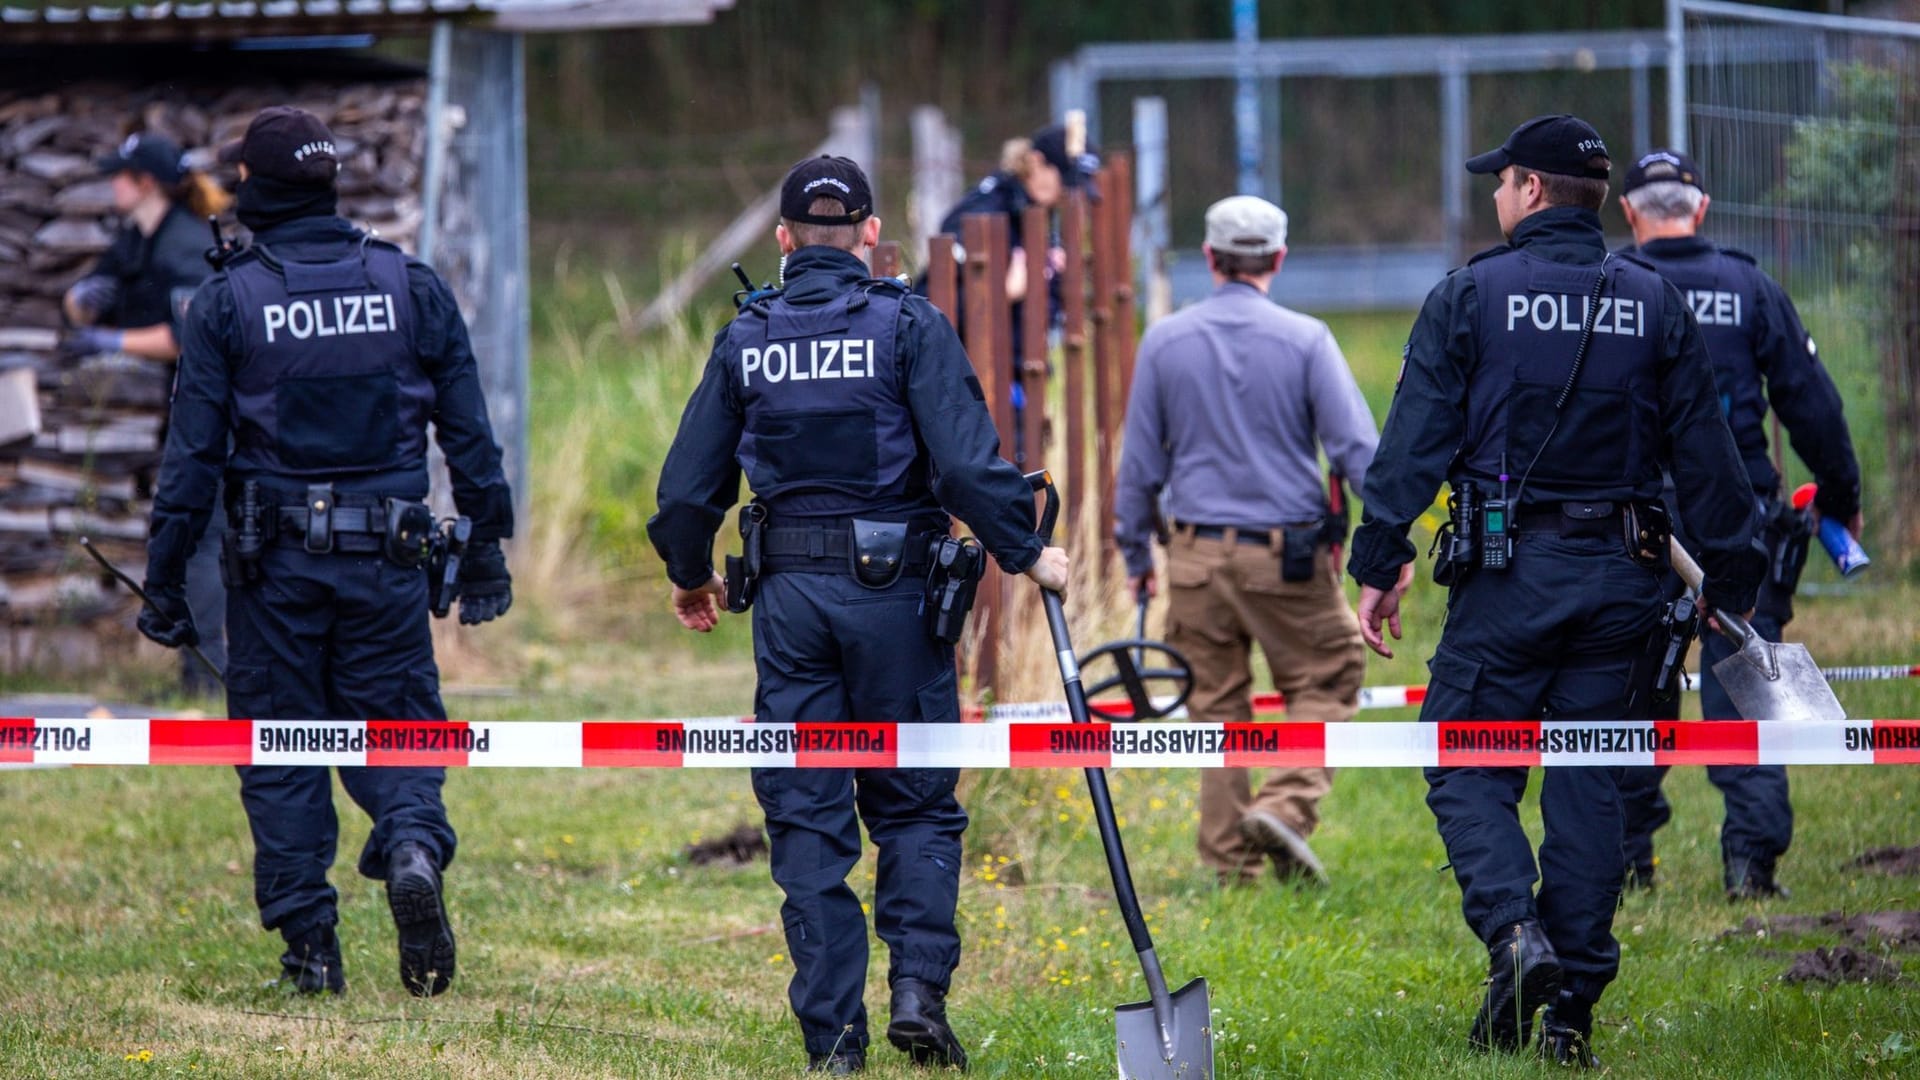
x,y
1807,131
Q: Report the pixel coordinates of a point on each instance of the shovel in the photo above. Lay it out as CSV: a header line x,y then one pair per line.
x,y
1170,1035
1765,680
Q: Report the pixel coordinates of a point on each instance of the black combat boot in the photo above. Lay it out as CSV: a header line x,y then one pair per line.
x,y
839,1063
1566,1033
420,915
312,961
1522,975
1748,878
918,1026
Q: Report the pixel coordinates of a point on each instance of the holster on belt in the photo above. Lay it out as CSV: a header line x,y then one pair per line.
x,y
240,547
953,580
446,549
743,570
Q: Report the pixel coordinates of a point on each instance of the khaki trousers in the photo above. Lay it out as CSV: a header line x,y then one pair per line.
x,y
1226,595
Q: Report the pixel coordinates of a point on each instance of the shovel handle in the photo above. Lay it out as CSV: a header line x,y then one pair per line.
x,y
1731,625
1123,891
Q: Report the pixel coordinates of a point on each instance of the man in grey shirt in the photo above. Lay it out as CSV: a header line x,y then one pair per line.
x,y
1232,399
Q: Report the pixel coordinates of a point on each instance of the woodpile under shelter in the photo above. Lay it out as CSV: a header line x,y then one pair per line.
x,y
433,158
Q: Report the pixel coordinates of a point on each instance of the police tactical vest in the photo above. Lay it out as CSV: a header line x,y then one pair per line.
x,y
1722,289
329,380
827,427
1531,314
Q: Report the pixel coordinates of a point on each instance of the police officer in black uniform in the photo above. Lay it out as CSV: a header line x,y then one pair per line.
x,y
325,353
1559,380
131,302
853,411
1761,353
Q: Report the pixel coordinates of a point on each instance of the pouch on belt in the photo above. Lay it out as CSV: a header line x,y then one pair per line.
x,y
878,552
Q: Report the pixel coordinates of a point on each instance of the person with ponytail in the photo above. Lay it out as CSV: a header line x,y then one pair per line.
x,y
137,292
133,302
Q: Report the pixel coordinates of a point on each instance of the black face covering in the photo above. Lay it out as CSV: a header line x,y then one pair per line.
x,y
262,202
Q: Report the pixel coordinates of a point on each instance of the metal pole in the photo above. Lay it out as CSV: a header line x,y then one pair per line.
x,y
1677,75
1270,135
439,68
1150,142
870,149
1246,97
1453,155
1640,92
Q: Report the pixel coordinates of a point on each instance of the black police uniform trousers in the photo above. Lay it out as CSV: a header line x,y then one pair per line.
x,y
1559,635
344,637
829,649
1759,807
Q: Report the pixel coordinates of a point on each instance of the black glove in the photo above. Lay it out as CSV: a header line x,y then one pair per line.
x,y
165,618
90,340
486,589
94,294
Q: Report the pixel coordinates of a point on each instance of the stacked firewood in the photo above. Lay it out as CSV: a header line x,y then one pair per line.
x,y
80,437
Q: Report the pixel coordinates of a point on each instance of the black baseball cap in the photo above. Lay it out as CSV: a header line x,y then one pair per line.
x,y
1660,166
827,177
1562,144
147,152
286,144
1075,169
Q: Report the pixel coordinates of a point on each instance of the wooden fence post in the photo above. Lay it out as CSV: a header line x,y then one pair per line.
x,y
886,259
1123,290
941,270
985,238
1105,369
1073,297
1035,237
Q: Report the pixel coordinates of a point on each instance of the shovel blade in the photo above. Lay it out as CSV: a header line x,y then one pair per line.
x,y
1143,1053
1769,681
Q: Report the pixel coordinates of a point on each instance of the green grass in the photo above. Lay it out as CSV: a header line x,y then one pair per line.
x,y
591,948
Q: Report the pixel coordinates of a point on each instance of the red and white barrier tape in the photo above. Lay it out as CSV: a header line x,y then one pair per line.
x,y
734,742
1373,697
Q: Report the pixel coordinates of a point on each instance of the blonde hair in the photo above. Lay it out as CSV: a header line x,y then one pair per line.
x,y
1014,159
202,194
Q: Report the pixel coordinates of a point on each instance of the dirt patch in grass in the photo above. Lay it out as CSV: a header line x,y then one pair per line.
x,y
1841,964
1890,860
1899,929
744,845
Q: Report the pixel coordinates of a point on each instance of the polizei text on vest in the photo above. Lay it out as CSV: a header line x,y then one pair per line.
x,y
330,317
799,361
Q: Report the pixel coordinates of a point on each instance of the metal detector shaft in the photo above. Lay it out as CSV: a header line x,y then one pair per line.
x,y
1116,852
141,593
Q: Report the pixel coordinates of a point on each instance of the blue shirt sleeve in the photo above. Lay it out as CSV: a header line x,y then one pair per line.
x,y
1143,462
